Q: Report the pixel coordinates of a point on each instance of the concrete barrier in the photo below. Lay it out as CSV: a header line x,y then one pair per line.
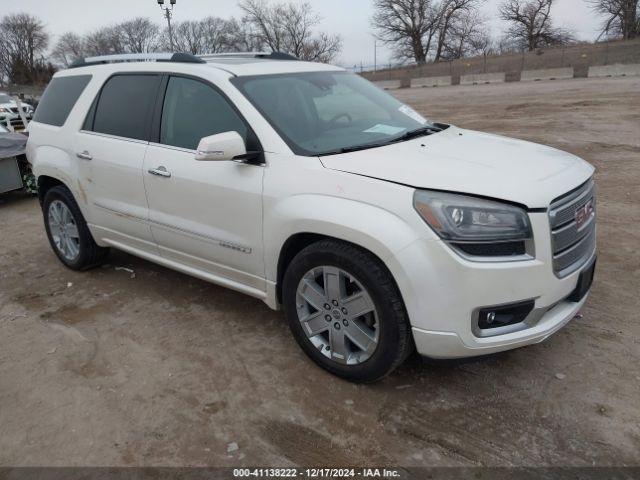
x,y
389,84
547,74
431,81
618,70
480,78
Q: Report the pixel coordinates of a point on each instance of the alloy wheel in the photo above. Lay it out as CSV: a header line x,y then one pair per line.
x,y
337,315
64,230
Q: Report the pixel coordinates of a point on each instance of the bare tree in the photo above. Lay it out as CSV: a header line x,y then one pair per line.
x,y
622,18
408,26
455,18
105,41
5,62
243,37
288,27
186,37
466,36
217,35
24,40
138,35
209,35
530,24
69,47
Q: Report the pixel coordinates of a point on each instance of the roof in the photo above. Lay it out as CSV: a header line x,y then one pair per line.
x,y
253,66
238,64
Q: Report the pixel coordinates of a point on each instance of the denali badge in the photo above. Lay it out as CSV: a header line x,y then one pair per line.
x,y
584,213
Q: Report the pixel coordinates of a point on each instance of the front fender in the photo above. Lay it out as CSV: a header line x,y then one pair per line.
x,y
378,230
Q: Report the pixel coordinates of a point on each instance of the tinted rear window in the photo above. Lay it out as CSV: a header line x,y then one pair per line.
x,y
125,105
59,98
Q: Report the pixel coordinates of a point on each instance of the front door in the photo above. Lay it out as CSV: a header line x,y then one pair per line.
x,y
204,214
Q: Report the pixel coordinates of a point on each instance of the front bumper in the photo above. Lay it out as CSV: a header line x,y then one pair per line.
x,y
442,290
443,345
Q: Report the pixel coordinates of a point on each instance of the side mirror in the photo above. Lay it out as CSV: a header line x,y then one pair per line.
x,y
223,146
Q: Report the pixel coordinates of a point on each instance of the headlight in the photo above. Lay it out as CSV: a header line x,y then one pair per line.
x,y
4,110
474,225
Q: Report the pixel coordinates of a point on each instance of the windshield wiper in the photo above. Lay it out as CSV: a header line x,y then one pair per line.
x,y
418,132
354,148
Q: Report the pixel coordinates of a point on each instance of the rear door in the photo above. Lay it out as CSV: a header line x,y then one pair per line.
x,y
204,214
110,150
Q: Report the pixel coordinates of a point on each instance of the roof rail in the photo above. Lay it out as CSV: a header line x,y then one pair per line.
x,y
137,57
264,55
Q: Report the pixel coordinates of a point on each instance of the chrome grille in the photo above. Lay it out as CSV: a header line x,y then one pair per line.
x,y
571,245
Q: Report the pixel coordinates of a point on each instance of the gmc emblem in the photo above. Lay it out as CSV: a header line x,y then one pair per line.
x,y
583,214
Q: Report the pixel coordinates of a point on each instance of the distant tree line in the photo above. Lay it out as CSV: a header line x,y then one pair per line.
x,y
417,30
285,27
436,30
25,47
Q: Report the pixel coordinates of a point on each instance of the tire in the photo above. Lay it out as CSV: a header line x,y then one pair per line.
x,y
88,253
356,271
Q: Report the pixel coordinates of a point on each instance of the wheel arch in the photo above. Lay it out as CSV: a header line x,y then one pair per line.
x,y
299,241
46,183
295,222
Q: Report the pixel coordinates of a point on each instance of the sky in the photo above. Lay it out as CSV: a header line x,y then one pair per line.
x,y
348,18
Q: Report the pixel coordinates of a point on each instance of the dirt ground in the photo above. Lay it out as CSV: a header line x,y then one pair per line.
x,y
108,368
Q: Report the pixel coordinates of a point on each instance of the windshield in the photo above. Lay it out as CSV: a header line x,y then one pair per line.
x,y
322,113
4,98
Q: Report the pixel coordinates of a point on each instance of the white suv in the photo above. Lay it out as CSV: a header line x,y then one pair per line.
x,y
376,230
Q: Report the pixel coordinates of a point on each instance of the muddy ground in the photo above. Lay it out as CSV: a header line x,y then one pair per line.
x,y
108,368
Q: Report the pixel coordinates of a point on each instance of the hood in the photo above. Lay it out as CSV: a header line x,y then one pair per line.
x,y
471,162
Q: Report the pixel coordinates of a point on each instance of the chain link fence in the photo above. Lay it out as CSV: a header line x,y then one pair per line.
x,y
579,56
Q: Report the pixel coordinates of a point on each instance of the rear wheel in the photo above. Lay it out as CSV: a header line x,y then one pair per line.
x,y
67,231
345,311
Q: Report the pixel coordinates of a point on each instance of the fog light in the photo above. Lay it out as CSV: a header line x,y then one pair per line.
x,y
503,315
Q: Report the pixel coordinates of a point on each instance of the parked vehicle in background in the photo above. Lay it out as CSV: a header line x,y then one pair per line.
x,y
8,119
14,168
378,231
10,112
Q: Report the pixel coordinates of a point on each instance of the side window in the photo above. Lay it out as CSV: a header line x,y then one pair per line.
x,y
193,110
59,99
125,105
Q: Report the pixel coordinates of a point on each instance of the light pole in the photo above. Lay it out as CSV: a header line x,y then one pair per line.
x,y
375,55
168,13
375,52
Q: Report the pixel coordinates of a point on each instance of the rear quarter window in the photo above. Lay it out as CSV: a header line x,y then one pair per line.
x,y
59,99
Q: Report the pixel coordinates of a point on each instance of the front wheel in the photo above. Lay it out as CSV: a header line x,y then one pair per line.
x,y
345,311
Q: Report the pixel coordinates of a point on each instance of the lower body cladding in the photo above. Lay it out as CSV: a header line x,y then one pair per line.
x,y
461,308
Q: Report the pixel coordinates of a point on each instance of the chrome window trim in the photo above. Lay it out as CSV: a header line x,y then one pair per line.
x,y
115,137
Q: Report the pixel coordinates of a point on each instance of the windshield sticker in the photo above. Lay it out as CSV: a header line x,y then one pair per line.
x,y
410,112
385,129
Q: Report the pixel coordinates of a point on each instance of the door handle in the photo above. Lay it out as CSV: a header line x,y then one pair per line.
x,y
84,155
160,171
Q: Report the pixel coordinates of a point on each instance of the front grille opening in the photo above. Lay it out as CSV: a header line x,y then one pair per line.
x,y
504,315
503,249
572,236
